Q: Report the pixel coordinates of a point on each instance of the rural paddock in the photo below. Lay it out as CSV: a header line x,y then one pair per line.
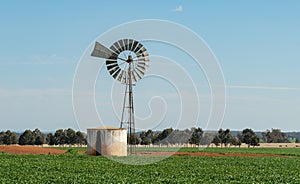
x,y
33,150
188,165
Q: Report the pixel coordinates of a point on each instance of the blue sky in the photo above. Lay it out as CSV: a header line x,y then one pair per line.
x,y
256,42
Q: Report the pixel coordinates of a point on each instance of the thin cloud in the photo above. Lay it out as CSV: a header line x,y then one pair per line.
x,y
178,9
264,88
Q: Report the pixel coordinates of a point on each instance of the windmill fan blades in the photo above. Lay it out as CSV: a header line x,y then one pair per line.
x,y
142,59
109,62
133,77
141,67
130,44
138,47
141,50
138,76
126,44
103,52
109,67
120,76
118,54
143,54
135,43
118,46
143,64
115,75
112,71
114,48
121,45
140,71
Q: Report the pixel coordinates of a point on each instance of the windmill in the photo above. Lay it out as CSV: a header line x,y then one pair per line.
x,y
126,61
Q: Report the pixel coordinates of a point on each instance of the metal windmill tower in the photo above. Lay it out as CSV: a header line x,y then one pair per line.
x,y
126,61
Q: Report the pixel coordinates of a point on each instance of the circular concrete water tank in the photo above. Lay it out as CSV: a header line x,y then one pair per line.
x,y
107,141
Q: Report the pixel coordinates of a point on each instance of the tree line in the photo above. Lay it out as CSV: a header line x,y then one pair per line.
x,y
195,136
199,137
168,136
224,137
36,137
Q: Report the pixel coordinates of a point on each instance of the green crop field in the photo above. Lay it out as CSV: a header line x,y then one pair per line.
x,y
280,151
80,168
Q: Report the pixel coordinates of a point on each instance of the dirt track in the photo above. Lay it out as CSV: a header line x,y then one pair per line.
x,y
199,154
30,150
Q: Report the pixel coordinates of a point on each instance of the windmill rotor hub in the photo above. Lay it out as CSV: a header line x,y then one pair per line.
x,y
130,59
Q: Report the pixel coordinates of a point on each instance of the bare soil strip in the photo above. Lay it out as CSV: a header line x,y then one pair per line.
x,y
33,150
30,150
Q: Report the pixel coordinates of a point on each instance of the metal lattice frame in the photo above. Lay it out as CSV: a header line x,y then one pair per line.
x,y
118,55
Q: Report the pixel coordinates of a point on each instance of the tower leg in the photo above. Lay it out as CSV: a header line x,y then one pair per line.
x,y
129,117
